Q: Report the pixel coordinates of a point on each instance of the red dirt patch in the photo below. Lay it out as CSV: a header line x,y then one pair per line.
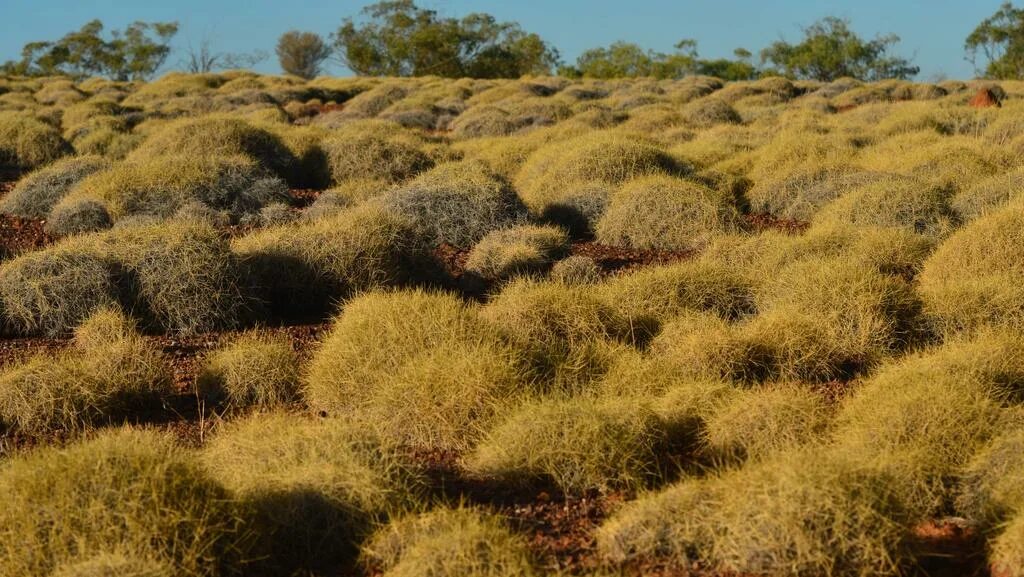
x,y
18,235
763,222
615,258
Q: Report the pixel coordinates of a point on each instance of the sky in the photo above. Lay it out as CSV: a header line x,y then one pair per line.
x,y
932,31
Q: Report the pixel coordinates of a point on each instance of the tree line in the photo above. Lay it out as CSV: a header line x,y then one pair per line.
x,y
399,38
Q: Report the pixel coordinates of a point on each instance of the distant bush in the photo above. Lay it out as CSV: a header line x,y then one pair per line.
x,y
666,213
109,374
449,543
579,444
423,369
315,486
166,509
28,143
457,203
975,277
522,249
256,369
306,266
36,193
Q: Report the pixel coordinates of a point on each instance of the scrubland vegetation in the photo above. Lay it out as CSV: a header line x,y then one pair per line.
x,y
417,326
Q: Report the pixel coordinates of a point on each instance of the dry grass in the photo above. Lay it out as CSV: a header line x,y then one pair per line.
x,y
37,192
421,368
974,278
315,486
523,249
991,488
29,143
900,202
114,565
576,270
989,195
449,543
257,369
374,149
127,491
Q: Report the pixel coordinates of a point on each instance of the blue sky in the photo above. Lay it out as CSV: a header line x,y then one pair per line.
x,y
933,31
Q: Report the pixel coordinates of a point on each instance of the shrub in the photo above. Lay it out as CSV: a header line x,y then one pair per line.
x,y
114,565
896,201
566,330
449,543
218,136
78,217
975,278
553,175
665,213
579,444
305,266
576,270
37,192
664,291
421,368
992,486
126,491
257,369
799,513
163,184
374,149
757,423
108,375
28,143
316,486
457,203
522,249
989,195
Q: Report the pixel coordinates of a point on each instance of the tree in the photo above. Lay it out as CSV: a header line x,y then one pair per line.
x,y
999,39
203,59
302,53
830,50
397,38
627,60
132,54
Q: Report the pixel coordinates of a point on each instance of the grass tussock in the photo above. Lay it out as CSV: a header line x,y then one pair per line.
x,y
114,565
37,192
974,278
579,444
257,369
991,488
524,249
29,143
128,491
899,202
449,543
109,374
457,203
576,270
666,213
314,487
421,368
374,149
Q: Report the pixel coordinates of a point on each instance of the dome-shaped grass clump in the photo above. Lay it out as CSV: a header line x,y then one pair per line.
x,y
29,143
517,250
37,192
449,543
127,491
162,185
457,203
256,369
114,565
665,213
110,373
374,149
708,112
992,485
988,195
555,174
901,202
423,369
315,486
976,277
576,270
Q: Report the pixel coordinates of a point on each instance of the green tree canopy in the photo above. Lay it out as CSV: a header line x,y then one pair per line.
x,y
302,53
830,50
134,53
627,60
397,38
999,41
